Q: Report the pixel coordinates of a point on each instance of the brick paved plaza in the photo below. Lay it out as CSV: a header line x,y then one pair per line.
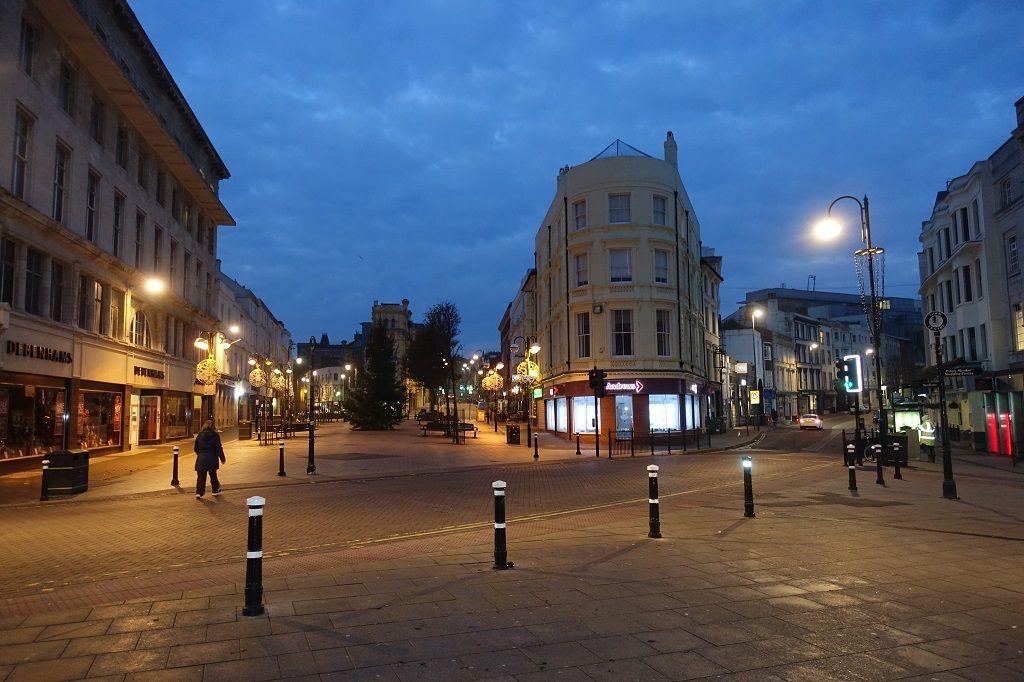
x,y
892,582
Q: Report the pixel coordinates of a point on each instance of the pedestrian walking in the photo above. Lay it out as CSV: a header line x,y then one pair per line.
x,y
209,456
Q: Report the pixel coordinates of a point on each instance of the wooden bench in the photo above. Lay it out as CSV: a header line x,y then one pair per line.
x,y
446,428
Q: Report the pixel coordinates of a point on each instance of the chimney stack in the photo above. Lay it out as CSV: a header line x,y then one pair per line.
x,y
671,151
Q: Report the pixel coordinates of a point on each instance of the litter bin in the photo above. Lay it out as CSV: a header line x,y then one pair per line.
x,y
512,434
68,472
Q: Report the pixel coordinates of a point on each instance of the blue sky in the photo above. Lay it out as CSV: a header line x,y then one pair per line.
x,y
389,150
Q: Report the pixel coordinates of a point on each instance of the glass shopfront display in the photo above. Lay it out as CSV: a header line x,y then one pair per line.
x,y
31,420
623,413
664,412
176,424
149,418
555,413
99,419
584,414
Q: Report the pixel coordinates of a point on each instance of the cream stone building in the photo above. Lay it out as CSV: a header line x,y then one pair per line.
x,y
108,183
621,286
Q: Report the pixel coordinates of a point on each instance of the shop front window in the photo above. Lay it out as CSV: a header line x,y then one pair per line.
x,y
149,417
177,416
31,420
99,419
664,412
583,415
623,413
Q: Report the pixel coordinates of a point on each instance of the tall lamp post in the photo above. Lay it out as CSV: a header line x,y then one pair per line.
x,y
527,371
829,228
754,314
311,393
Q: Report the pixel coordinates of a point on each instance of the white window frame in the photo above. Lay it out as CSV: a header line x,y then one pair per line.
x,y
619,272
579,214
622,333
663,332
1012,255
659,216
660,268
619,209
583,335
582,262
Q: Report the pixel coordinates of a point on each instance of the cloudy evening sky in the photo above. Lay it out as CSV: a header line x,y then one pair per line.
x,y
389,150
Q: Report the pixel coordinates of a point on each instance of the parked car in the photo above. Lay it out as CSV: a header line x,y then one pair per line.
x,y
809,421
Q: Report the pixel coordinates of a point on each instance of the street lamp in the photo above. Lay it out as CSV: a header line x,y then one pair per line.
x,y
207,369
754,314
527,372
829,228
311,461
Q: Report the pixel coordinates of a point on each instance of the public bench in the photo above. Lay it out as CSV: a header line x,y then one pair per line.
x,y
446,428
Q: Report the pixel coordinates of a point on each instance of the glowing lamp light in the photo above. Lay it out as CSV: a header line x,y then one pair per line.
x,y
154,285
747,462
827,228
201,344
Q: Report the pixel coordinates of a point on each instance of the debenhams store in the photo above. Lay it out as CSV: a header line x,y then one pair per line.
x,y
76,391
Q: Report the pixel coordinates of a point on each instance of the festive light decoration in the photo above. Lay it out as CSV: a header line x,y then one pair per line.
x,y
277,382
527,373
206,372
257,378
492,382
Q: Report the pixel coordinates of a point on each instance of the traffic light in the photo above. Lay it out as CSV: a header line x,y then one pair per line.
x,y
854,375
842,373
596,377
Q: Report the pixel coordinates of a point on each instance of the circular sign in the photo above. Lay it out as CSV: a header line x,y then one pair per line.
x,y
935,321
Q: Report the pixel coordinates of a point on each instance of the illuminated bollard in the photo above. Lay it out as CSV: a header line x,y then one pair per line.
x,y
254,559
536,454
652,501
174,467
501,561
280,458
44,494
748,487
853,477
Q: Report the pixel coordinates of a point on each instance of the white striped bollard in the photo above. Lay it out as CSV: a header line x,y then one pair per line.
x,y
280,452
174,467
501,561
652,500
44,493
536,453
254,559
853,477
748,488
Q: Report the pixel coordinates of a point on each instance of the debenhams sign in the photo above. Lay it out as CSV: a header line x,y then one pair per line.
x,y
29,350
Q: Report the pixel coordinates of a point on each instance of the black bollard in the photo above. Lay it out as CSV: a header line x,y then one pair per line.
x,y
669,441
44,493
174,467
610,444
529,432
495,423
597,443
850,455
853,477
280,457
878,449
501,561
536,454
650,437
254,559
652,500
895,449
632,440
748,488
578,444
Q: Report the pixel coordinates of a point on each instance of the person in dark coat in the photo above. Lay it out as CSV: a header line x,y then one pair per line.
x,y
209,454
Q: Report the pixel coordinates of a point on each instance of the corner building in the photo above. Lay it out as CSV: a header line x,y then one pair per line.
x,y
621,286
107,181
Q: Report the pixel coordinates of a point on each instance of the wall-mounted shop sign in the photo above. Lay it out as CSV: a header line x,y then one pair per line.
x,y
150,373
618,386
29,350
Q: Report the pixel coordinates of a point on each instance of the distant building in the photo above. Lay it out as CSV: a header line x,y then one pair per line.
x,y
970,263
108,182
623,284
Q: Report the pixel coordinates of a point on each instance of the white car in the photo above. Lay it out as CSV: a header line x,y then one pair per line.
x,y
809,421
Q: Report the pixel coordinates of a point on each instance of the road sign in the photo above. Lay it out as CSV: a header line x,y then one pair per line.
x,y
962,371
755,397
935,321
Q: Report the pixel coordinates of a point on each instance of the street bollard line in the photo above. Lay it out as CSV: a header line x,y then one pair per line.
x,y
174,468
280,448
652,502
501,561
748,487
254,559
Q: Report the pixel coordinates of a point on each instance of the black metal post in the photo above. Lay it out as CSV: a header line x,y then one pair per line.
x,y
578,444
500,552
652,501
748,488
254,559
632,441
948,484
536,454
311,461
597,426
280,453
853,477
529,429
669,441
611,444
650,437
895,449
174,467
44,493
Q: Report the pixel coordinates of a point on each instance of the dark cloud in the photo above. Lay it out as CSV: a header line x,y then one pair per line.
x,y
382,151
